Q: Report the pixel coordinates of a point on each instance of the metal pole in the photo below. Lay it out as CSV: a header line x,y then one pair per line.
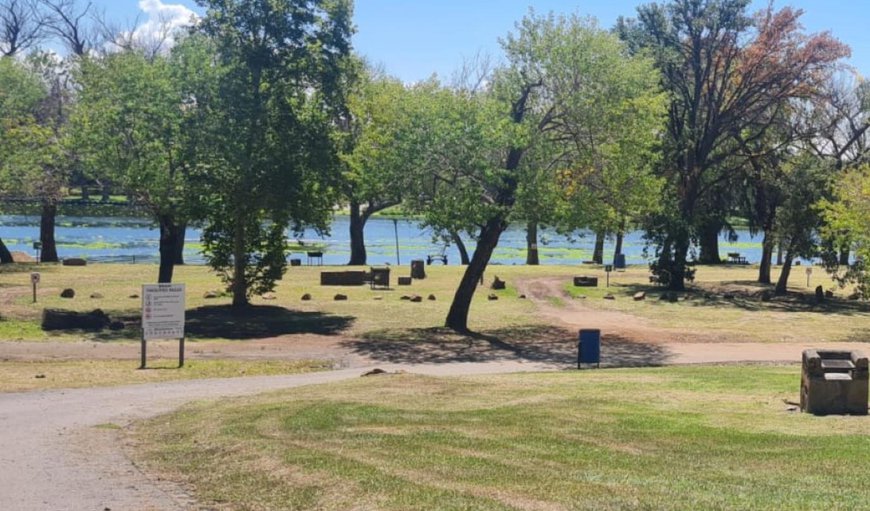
x,y
142,364
396,229
181,353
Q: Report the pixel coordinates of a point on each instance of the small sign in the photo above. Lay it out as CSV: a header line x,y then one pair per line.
x,y
608,268
37,245
34,278
809,271
162,311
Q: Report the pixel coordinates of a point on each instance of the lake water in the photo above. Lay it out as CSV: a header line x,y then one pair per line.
x,y
110,239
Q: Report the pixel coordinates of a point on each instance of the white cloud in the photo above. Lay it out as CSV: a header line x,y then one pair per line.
x,y
162,23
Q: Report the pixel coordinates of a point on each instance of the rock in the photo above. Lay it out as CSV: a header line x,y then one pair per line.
x,y
340,297
405,298
116,325
269,296
22,257
59,319
68,293
74,261
522,297
39,376
497,284
374,372
209,295
820,294
829,294
855,296
379,298
416,299
640,296
306,297
431,298
134,296
609,296
585,281
492,297
96,296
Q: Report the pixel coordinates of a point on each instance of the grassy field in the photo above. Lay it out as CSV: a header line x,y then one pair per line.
x,y
672,438
41,375
382,313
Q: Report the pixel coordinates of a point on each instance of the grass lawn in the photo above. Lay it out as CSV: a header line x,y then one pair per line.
x,y
382,313
695,437
40,375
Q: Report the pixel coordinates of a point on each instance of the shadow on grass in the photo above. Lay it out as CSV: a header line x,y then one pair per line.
x,y
541,344
224,322
28,268
747,296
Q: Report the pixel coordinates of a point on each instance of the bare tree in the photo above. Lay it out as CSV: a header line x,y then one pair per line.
x,y
21,26
72,25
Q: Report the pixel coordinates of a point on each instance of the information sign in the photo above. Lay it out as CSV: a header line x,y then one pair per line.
x,y
163,311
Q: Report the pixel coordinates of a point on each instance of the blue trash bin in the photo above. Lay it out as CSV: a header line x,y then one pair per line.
x,y
589,347
619,261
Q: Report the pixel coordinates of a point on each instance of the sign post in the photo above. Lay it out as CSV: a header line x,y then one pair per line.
x,y
163,316
37,245
34,279
809,274
607,269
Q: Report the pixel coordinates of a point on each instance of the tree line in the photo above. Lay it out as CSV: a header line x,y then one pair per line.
x,y
260,119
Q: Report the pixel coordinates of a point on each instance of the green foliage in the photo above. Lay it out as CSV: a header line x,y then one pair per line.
x,y
847,220
264,152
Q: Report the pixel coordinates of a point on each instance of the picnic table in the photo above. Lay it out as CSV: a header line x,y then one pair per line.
x,y
736,258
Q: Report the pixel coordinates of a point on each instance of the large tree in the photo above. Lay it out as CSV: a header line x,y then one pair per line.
x,y
568,88
265,159
130,128
725,72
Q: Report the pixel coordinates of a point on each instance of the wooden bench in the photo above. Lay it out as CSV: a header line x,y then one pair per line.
x,y
315,257
436,257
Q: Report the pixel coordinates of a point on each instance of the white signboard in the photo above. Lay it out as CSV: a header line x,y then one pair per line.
x,y
163,311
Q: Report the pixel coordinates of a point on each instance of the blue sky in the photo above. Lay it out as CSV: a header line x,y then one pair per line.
x,y
414,38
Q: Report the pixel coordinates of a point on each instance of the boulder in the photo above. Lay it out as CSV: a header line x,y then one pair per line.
x,y
522,297
379,298
269,296
210,295
820,294
405,298
640,296
59,319
492,297
22,257
431,298
306,297
74,261
97,296
609,296
134,296
68,293
340,298
497,284
416,299
829,294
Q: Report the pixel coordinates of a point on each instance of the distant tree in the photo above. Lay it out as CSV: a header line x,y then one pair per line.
x,y
725,72
22,26
847,219
265,158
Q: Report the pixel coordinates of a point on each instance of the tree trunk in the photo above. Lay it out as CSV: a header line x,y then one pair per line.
x,y
598,251
5,255
86,193
240,260
169,235
532,258
46,232
460,246
358,256
709,243
457,317
844,256
620,236
779,254
782,283
106,194
677,281
181,232
766,258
